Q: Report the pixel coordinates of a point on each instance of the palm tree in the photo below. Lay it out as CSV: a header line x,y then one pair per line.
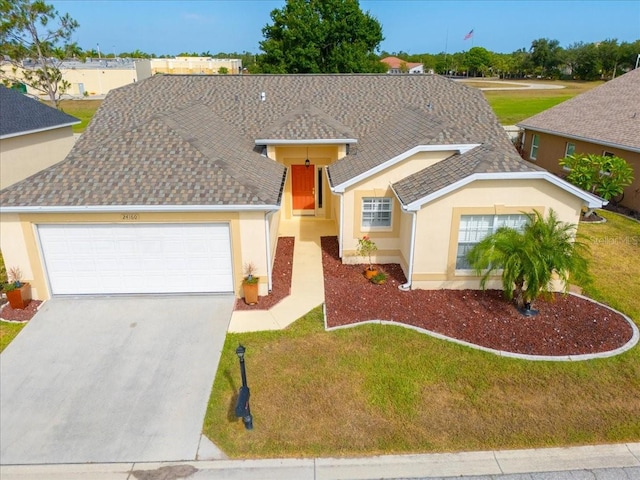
x,y
529,259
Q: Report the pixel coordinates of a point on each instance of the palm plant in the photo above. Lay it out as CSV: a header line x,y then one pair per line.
x,y
529,259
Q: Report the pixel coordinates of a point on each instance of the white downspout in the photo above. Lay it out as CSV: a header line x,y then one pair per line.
x,y
267,233
340,228
412,248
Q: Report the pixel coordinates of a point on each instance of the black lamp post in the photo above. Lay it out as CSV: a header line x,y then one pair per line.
x,y
242,407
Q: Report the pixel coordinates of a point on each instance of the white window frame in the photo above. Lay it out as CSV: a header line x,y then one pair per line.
x,y
473,228
372,207
535,144
569,149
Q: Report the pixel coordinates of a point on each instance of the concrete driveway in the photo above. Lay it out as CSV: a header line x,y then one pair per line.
x,y
113,379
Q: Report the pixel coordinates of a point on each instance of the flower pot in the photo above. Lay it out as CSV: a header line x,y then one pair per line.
x,y
370,272
250,292
20,297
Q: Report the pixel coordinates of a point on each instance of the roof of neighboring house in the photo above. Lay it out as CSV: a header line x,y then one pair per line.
x,y
608,114
395,62
191,140
20,115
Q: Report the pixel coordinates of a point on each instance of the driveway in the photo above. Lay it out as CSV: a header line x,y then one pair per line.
x,y
114,379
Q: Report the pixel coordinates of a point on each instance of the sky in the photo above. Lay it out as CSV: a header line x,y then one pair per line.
x,y
412,26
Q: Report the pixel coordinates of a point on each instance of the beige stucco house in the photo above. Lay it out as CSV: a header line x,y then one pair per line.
x,y
33,136
602,121
180,181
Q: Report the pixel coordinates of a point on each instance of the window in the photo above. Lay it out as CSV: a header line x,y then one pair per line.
x,y
474,228
535,142
376,212
570,149
608,154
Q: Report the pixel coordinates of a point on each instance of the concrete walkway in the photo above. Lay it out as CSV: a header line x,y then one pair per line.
x,y
307,282
599,462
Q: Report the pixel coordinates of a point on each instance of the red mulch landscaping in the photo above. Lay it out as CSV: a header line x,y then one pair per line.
x,y
281,277
565,325
20,315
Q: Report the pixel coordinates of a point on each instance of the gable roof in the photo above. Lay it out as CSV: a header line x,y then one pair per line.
x,y
395,62
20,115
607,115
190,141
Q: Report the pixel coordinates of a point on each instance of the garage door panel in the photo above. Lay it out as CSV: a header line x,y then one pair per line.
x,y
150,258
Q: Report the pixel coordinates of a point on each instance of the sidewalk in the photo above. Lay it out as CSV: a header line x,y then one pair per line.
x,y
307,282
615,462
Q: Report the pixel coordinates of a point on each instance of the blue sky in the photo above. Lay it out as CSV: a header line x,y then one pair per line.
x,y
413,26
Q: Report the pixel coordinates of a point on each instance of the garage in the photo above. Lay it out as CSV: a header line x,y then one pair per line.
x,y
133,259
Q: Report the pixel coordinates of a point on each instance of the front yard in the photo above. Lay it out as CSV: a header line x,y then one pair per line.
x,y
381,389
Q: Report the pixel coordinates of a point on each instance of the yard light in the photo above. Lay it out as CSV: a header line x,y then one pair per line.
x,y
242,406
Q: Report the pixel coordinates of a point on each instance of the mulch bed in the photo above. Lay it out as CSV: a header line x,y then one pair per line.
x,y
565,325
19,315
281,277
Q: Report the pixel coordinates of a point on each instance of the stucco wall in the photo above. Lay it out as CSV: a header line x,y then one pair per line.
x,y
438,223
24,155
552,148
20,248
97,81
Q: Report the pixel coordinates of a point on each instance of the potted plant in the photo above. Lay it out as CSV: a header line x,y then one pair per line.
x,y
18,292
250,284
366,247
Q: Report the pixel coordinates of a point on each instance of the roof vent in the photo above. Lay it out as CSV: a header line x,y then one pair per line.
x,y
263,96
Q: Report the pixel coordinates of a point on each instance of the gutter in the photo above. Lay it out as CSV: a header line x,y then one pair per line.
x,y
267,233
594,141
412,243
38,130
138,208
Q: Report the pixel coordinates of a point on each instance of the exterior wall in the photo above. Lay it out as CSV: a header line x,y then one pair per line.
x,y
319,156
20,247
190,65
438,224
392,246
97,81
24,155
552,148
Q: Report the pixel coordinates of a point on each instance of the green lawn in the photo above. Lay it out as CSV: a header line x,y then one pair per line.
x,y
8,331
83,110
382,389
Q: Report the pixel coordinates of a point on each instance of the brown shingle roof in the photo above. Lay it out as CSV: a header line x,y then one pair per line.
x,y
608,114
190,140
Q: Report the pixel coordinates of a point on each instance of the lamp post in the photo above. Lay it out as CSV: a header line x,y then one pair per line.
x,y
242,406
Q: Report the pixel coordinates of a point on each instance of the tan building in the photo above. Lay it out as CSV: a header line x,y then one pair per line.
x,y
33,136
187,66
180,181
602,121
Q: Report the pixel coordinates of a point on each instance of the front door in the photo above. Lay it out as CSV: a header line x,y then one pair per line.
x,y
303,189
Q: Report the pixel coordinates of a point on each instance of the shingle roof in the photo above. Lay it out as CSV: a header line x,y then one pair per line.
x,y
608,114
21,114
395,62
190,140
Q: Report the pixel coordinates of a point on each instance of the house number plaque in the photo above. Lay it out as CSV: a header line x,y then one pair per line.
x,y
130,216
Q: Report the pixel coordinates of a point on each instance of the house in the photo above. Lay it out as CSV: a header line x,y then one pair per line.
x,y
601,121
33,136
179,182
397,65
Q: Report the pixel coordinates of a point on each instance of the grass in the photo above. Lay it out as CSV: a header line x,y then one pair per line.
x,y
8,331
382,389
83,110
513,106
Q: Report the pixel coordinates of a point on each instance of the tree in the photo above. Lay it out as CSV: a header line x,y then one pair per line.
x,y
35,39
602,175
531,258
478,60
546,55
321,36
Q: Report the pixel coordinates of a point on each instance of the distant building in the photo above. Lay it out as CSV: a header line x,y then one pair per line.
x,y
187,66
397,65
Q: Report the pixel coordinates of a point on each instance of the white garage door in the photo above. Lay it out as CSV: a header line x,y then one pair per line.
x,y
142,258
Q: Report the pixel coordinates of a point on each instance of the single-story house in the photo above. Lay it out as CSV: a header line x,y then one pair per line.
x,y
179,182
601,121
33,136
397,65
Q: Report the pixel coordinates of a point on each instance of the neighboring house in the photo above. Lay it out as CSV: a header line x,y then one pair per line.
x,y
33,136
181,181
397,65
602,121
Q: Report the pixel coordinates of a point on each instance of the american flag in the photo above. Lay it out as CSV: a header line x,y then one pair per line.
x,y
469,35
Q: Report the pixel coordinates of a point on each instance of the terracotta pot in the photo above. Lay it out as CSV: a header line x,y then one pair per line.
x,y
370,273
20,297
250,293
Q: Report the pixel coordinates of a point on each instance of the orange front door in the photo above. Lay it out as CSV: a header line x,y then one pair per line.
x,y
302,187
